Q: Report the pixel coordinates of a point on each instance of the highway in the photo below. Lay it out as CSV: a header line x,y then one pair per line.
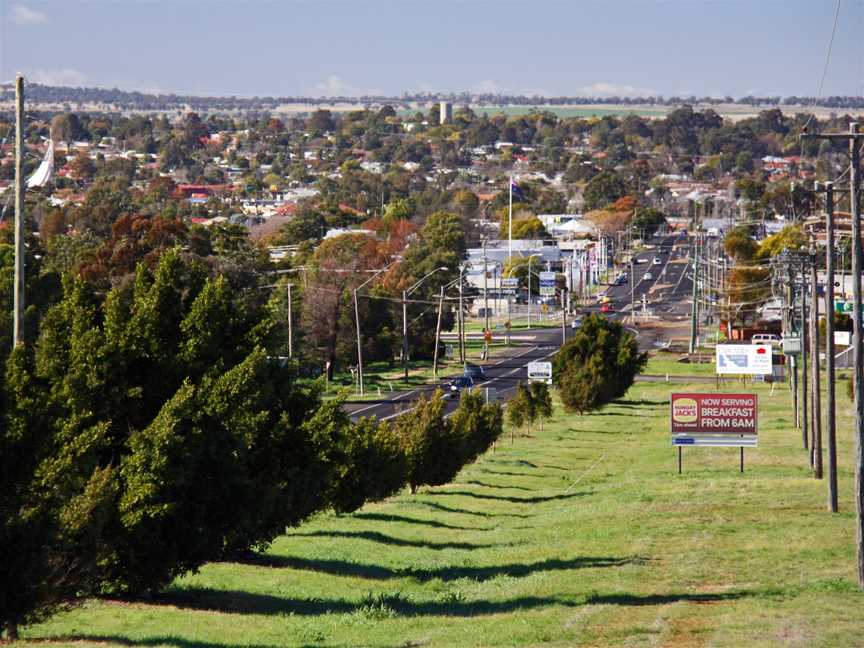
x,y
502,375
666,292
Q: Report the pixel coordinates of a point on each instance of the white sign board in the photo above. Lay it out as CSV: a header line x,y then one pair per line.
x,y
540,372
744,359
842,338
547,283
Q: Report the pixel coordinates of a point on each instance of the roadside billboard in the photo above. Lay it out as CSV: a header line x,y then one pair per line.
x,y
547,283
744,359
714,419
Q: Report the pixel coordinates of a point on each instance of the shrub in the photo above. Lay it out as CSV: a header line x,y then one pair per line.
x,y
597,365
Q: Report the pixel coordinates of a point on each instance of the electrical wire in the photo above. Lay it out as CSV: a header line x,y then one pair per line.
x,y
824,75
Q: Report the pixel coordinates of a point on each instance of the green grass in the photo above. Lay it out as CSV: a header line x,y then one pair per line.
x,y
582,535
663,363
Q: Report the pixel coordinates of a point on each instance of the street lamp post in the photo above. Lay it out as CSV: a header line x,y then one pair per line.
x,y
405,294
461,319
357,321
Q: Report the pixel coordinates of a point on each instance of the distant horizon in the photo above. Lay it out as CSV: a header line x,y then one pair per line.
x,y
442,95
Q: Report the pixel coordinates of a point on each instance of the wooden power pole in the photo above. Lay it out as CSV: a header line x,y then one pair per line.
x,y
830,405
854,137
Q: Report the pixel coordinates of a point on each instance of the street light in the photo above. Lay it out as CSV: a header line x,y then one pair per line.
x,y
510,272
405,294
357,320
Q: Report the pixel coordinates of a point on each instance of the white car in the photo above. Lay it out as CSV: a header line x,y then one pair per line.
x,y
657,261
766,338
647,276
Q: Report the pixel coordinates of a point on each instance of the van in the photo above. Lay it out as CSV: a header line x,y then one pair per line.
x,y
765,338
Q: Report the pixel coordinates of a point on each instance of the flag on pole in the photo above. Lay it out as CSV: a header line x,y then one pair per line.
x,y
42,175
516,191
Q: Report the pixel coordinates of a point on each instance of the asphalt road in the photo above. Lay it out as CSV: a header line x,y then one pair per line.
x,y
659,277
502,375
667,293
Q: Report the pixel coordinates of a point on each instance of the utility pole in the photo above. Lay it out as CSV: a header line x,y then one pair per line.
x,y
529,290
563,316
359,341
805,349
405,334
816,394
290,324
853,137
632,290
437,335
18,299
461,320
693,322
485,291
830,406
858,373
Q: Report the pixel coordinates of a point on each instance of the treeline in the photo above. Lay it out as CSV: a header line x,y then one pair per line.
x,y
158,425
133,100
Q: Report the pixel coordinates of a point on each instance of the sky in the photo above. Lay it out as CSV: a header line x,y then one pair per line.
x,y
328,48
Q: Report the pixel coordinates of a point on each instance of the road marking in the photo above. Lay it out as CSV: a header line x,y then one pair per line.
x,y
363,409
484,383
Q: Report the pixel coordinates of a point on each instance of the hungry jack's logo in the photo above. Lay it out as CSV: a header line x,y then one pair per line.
x,y
685,410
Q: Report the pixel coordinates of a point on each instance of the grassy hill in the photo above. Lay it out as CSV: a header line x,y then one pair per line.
x,y
582,535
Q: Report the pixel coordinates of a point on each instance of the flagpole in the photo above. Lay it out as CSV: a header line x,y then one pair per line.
x,y
510,225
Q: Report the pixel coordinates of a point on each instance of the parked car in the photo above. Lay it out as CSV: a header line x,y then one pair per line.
x,y
460,383
647,276
607,308
657,261
576,323
475,372
765,338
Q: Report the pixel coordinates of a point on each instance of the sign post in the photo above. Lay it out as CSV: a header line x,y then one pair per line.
x,y
540,372
714,420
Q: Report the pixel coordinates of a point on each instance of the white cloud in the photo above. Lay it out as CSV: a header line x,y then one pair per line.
x,y
604,89
58,77
21,15
486,86
336,86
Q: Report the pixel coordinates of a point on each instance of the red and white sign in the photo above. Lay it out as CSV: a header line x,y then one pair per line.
x,y
714,419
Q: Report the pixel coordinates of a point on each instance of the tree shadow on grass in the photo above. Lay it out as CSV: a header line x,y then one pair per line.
x,y
375,536
611,414
451,509
538,499
639,403
476,573
167,640
665,599
516,462
477,482
238,602
392,517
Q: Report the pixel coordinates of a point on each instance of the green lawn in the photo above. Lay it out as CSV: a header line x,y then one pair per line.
x,y
582,535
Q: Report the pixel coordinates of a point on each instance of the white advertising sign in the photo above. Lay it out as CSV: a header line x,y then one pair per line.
x,y
842,338
540,372
547,283
744,359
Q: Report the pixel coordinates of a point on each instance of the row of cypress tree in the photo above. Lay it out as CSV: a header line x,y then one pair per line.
x,y
155,427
